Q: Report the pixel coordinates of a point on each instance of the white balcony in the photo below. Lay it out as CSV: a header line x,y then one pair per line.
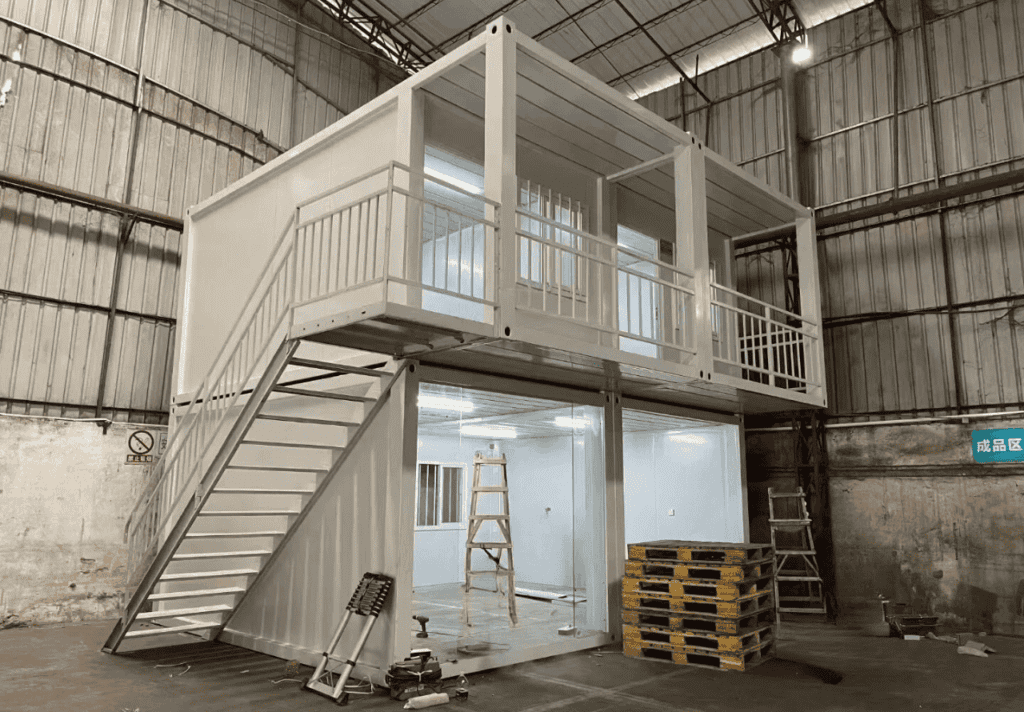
x,y
502,211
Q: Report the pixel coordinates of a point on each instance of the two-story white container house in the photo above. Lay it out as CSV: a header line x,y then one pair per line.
x,y
500,254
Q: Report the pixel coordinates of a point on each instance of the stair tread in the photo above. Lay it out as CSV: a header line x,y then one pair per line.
x,y
273,443
247,512
308,421
327,366
258,490
198,593
216,535
221,555
209,574
488,517
489,545
780,577
808,552
174,629
218,608
491,488
323,394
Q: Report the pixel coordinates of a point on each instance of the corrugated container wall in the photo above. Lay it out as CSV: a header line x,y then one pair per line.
x,y
923,312
226,86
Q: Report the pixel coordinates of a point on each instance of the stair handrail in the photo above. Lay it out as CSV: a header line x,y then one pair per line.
x,y
204,395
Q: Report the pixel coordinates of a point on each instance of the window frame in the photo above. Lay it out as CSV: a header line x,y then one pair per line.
x,y
463,522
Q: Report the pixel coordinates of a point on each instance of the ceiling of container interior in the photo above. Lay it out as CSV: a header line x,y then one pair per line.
x,y
528,417
560,116
631,45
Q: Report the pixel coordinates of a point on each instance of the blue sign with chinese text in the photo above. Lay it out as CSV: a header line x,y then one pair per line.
x,y
998,445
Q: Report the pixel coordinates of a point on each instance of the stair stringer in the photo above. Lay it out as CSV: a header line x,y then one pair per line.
x,y
224,451
361,520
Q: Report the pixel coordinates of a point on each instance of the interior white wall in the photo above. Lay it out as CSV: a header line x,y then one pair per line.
x,y
700,482
439,554
541,506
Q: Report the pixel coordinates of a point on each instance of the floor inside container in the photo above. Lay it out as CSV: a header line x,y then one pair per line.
x,y
489,628
820,667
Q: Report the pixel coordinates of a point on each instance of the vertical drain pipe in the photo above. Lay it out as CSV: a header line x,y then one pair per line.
x,y
127,222
789,121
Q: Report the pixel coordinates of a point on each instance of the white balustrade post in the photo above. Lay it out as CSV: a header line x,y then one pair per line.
x,y
405,240
500,161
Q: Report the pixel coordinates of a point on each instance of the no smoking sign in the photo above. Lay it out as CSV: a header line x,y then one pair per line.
x,y
140,448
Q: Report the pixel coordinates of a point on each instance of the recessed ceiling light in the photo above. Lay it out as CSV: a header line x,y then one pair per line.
x,y
488,431
468,187
564,421
443,403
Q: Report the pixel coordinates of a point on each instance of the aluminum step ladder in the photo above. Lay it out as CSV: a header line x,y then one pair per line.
x,y
503,547
798,583
369,598
215,553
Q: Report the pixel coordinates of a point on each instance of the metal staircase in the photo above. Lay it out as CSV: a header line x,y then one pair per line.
x,y
292,434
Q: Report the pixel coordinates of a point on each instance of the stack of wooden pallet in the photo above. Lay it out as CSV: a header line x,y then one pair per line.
x,y
699,603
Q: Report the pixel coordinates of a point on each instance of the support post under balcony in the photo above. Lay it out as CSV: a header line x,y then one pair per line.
x,y
692,246
810,304
500,160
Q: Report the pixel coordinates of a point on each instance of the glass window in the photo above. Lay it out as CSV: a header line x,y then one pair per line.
x,y
439,495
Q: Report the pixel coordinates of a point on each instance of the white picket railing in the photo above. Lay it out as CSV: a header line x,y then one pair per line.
x,y
337,241
566,273
766,344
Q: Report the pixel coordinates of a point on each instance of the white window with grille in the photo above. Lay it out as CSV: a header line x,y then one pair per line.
x,y
440,496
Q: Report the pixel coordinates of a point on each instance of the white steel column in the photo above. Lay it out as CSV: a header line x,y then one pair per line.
x,y
406,241
692,245
403,417
500,161
615,510
608,229
810,304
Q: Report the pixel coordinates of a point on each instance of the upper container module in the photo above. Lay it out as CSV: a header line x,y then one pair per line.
x,y
502,210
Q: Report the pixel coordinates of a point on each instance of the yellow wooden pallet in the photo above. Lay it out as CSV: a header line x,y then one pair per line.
x,y
700,551
687,639
724,591
698,622
697,604
699,571
698,657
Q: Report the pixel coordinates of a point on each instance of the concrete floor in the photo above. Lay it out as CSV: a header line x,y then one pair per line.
x,y
56,669
538,621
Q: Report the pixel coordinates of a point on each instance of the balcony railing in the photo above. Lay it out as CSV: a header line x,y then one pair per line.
x,y
567,274
762,343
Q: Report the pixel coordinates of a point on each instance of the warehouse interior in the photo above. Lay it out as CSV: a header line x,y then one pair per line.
x,y
900,123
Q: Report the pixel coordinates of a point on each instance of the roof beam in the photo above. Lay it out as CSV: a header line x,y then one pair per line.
x,y
682,7
570,19
668,58
680,53
445,45
380,34
781,19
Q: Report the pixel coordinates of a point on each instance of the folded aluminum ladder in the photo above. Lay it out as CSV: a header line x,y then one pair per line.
x,y
367,601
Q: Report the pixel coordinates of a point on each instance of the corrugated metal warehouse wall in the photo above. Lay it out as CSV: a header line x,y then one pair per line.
x,y
923,309
920,309
226,85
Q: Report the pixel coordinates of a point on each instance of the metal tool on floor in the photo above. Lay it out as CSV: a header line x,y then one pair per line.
x,y
501,519
422,620
798,584
367,601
